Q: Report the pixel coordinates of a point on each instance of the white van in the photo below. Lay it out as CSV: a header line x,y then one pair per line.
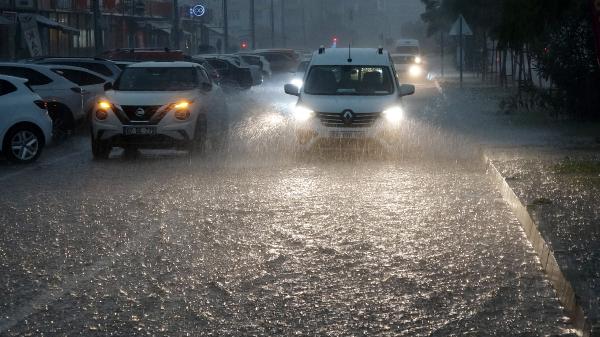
x,y
407,59
349,93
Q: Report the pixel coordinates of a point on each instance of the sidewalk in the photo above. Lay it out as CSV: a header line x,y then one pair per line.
x,y
552,171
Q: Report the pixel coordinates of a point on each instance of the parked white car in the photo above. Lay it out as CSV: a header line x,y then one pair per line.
x,y
65,98
106,68
25,127
92,84
349,95
159,105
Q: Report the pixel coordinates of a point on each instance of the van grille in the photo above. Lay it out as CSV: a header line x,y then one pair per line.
x,y
359,120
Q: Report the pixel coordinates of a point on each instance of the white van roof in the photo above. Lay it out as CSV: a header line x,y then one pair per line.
x,y
359,56
407,42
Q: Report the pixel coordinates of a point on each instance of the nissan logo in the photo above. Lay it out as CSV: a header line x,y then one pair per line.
x,y
140,112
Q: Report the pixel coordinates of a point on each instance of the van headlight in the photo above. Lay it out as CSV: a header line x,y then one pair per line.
x,y
297,82
418,60
394,114
302,114
415,70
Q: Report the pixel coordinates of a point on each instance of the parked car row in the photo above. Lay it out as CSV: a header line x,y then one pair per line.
x,y
48,96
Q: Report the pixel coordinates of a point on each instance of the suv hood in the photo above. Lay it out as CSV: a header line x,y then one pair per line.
x,y
144,98
360,104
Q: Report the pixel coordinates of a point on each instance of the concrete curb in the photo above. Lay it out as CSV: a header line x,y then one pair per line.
x,y
561,284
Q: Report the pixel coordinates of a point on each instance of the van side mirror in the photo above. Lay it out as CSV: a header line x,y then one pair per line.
x,y
291,89
206,86
406,90
108,86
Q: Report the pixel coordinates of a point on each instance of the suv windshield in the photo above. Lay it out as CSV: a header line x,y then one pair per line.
x,y
349,80
157,79
400,59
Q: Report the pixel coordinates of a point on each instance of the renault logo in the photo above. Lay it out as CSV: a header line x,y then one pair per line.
x,y
140,112
347,116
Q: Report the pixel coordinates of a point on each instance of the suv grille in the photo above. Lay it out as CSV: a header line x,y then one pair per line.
x,y
359,120
131,111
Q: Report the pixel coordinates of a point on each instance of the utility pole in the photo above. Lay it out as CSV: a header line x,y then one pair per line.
x,y
175,29
272,23
132,25
442,48
252,24
97,27
225,27
283,36
460,37
304,26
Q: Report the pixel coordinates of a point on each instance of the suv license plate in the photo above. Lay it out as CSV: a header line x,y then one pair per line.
x,y
137,130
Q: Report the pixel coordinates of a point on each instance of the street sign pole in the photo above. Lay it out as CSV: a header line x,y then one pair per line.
x,y
272,23
175,29
97,27
460,39
225,28
253,24
596,25
442,48
461,29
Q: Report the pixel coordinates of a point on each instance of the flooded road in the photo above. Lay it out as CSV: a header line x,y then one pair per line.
x,y
263,240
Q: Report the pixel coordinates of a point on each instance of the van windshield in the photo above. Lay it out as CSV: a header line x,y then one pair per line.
x,y
412,50
400,59
157,79
349,80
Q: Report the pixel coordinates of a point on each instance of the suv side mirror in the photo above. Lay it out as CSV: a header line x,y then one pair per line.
x,y
406,90
291,89
108,86
206,86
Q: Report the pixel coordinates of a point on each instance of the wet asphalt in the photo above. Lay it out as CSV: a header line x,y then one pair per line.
x,y
264,239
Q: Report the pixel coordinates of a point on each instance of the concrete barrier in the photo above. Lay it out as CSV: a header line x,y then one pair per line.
x,y
564,289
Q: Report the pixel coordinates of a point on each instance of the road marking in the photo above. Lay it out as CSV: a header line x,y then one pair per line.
x,y
40,165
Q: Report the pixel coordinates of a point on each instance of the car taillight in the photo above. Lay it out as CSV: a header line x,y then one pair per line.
x,y
42,104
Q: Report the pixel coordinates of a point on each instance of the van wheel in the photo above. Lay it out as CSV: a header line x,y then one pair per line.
x,y
23,144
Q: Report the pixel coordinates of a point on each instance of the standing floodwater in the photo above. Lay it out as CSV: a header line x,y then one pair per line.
x,y
262,239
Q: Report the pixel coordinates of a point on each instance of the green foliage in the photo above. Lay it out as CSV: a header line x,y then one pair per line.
x,y
557,33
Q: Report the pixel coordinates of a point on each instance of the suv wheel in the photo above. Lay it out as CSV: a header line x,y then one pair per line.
x,y
100,148
198,144
23,144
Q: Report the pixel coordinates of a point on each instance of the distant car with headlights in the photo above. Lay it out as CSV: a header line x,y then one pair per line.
x,y
408,60
159,105
25,127
349,94
409,66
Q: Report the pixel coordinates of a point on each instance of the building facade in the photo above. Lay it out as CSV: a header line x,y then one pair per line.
x,y
66,27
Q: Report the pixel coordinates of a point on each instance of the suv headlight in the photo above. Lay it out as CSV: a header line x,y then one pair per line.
x,y
102,109
181,109
394,114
